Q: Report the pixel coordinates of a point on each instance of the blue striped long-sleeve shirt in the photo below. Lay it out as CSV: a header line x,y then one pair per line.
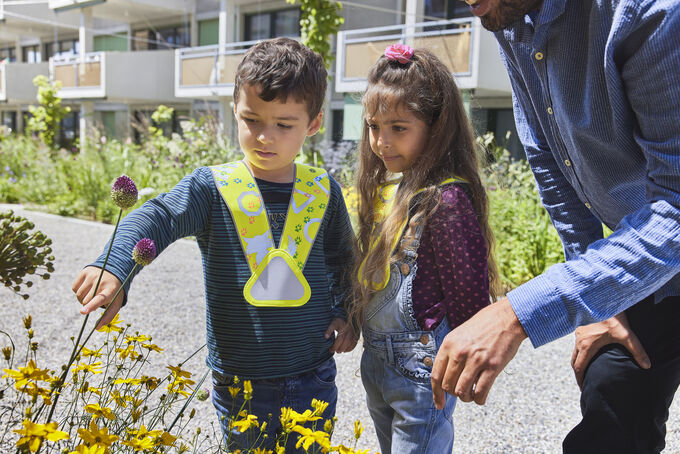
x,y
252,342
596,91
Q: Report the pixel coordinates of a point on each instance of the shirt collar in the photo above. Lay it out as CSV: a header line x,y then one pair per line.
x,y
523,29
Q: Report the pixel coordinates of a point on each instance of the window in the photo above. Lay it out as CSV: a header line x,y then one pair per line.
x,y
31,54
62,48
273,24
161,38
69,129
445,9
9,120
8,54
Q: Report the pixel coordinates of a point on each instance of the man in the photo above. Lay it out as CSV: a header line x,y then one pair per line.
x,y
596,93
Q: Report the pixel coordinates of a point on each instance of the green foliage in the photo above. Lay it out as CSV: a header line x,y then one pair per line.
x,y
526,241
78,184
49,113
319,21
22,252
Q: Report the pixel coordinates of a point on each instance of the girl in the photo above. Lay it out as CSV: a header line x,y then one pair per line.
x,y
424,264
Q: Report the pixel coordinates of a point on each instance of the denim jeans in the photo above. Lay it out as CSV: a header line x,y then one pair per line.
x,y
396,368
269,396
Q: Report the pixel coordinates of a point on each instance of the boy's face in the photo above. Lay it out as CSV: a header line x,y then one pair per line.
x,y
271,133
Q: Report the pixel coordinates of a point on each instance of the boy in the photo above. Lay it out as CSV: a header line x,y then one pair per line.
x,y
274,293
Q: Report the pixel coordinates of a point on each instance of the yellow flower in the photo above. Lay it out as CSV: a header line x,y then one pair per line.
x,y
233,390
180,381
86,352
96,449
319,406
97,437
166,439
24,374
262,451
138,338
178,372
112,326
244,424
128,351
97,411
36,391
145,443
118,399
153,347
309,437
32,434
151,383
247,390
92,368
127,381
358,429
328,425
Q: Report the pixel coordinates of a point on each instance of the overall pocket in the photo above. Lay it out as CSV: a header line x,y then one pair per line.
x,y
416,363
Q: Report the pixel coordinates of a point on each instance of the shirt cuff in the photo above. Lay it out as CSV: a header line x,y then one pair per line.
x,y
540,310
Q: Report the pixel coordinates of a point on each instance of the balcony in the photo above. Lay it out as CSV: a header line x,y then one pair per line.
x,y
141,76
16,81
469,51
207,71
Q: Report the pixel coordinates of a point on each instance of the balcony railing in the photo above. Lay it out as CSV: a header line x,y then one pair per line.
x,y
451,40
80,77
207,71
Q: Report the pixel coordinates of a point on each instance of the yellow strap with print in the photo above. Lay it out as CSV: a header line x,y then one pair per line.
x,y
382,206
277,279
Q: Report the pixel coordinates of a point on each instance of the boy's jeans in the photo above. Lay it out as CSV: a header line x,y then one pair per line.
x,y
269,396
396,368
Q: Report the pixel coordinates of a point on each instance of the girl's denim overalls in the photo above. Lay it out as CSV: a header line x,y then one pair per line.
x,y
396,365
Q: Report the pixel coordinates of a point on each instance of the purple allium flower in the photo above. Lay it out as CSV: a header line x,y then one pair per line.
x,y
144,252
124,192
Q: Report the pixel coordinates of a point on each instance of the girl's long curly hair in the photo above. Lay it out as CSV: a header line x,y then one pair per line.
x,y
425,87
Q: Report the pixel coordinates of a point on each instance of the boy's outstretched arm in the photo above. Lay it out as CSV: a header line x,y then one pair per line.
x,y
346,340
83,287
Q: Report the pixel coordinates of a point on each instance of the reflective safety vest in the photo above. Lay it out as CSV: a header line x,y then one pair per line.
x,y
277,279
382,205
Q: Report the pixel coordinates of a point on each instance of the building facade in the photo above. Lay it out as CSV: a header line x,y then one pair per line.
x,y
117,60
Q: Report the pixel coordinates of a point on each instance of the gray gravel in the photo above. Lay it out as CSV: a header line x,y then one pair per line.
x,y
532,406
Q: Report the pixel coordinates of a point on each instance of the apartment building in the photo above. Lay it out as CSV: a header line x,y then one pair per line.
x,y
117,60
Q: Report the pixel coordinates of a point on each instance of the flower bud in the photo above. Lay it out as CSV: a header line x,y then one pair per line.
x,y
28,321
7,352
124,192
144,252
202,394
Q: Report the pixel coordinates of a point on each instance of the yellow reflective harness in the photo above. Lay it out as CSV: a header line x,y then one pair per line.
x,y
277,279
382,205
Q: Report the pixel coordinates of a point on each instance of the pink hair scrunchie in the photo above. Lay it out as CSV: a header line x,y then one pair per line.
x,y
399,52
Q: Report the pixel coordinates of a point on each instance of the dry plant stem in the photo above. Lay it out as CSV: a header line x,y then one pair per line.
x,y
82,328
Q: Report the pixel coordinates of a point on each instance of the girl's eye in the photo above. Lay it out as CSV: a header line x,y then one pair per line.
x,y
282,126
398,128
249,120
372,126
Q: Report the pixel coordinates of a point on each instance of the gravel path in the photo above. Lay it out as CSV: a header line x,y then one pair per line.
x,y
533,404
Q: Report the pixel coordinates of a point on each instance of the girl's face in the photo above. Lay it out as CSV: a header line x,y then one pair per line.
x,y
397,137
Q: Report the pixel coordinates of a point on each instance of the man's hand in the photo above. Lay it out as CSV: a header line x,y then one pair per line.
x,y
591,338
345,340
83,287
473,354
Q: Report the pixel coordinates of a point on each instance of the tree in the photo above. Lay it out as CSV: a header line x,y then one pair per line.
x,y
319,21
47,116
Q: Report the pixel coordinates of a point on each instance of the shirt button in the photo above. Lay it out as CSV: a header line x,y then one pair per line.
x,y
567,162
424,339
550,111
587,205
427,361
538,55
405,268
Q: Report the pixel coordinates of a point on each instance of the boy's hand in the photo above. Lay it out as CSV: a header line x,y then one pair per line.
x,y
84,285
345,341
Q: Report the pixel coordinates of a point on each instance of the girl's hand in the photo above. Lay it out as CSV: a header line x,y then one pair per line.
x,y
83,287
345,340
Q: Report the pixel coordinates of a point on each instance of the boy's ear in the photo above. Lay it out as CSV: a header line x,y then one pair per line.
x,y
315,125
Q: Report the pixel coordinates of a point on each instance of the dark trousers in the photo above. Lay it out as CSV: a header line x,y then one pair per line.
x,y
625,407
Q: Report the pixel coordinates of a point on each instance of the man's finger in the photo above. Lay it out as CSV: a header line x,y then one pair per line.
x,y
436,378
635,347
483,386
466,382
